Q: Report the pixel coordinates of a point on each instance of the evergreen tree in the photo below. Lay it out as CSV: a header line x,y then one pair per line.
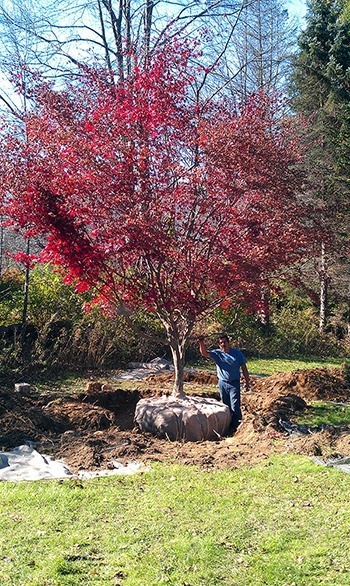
x,y
322,65
321,94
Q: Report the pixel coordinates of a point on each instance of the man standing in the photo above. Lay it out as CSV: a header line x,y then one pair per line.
x,y
228,361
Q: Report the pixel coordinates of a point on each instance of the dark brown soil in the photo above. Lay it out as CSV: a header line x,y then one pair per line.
x,y
92,429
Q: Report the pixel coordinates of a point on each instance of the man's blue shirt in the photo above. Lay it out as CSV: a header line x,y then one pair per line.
x,y
228,363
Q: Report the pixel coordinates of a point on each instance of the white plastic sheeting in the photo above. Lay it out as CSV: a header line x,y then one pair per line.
x,y
140,370
25,463
342,464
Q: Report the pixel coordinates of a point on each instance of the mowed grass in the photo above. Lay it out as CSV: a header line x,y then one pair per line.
x,y
325,413
269,366
75,383
285,522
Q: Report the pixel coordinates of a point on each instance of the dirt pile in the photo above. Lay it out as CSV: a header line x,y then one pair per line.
x,y
285,394
94,428
328,384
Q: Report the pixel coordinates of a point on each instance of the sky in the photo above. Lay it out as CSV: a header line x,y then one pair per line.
x,y
297,8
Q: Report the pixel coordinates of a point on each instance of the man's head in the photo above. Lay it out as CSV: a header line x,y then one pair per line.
x,y
224,343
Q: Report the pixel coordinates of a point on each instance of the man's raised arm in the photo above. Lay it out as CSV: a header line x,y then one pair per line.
x,y
202,347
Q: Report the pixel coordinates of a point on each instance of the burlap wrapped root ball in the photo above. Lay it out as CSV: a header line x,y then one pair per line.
x,y
190,419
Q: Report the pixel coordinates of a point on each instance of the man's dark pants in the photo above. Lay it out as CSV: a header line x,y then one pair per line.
x,y
230,394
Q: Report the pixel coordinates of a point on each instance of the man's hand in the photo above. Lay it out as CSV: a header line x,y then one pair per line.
x,y
202,346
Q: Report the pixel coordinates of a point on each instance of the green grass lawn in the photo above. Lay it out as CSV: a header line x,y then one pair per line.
x,y
269,366
74,382
284,522
325,413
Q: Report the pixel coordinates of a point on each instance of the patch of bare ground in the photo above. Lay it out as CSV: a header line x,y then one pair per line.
x,y
94,428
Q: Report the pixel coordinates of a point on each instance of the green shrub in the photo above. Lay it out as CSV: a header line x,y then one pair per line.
x,y
70,337
292,329
11,296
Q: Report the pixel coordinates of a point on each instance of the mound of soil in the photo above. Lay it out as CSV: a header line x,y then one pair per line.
x,y
282,395
93,429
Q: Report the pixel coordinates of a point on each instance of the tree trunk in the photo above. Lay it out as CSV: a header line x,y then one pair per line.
x,y
1,249
264,313
178,354
323,290
25,299
148,11
104,37
116,21
178,333
323,304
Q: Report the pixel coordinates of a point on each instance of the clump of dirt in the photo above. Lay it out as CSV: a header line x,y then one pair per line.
x,y
94,428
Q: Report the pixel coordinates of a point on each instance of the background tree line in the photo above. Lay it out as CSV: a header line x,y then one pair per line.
x,y
247,46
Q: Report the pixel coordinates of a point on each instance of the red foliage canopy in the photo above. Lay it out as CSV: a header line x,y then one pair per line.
x,y
156,200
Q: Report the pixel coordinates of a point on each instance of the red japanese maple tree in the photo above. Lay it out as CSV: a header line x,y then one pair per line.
x,y
154,199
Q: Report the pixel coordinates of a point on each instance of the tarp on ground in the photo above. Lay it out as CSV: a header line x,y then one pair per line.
x,y
25,463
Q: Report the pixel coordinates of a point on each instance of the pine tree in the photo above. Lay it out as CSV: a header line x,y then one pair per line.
x,y
322,64
321,94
